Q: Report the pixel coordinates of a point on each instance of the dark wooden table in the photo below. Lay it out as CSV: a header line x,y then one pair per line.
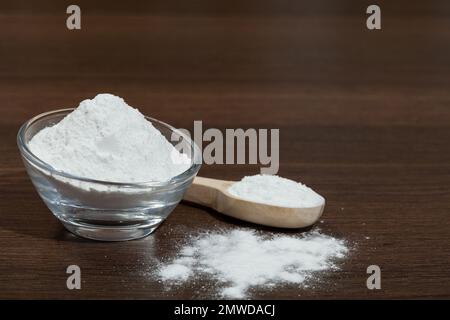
x,y
364,118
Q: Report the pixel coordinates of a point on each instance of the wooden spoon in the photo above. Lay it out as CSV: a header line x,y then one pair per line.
x,y
214,193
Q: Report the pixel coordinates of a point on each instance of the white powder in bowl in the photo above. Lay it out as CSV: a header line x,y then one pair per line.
x,y
241,259
277,191
106,139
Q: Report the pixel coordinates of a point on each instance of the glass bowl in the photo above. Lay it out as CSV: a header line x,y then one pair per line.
x,y
102,210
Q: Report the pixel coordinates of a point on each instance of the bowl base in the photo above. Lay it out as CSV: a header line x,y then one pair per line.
x,y
101,233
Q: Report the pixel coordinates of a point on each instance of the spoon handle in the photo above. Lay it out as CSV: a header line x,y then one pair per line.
x,y
204,191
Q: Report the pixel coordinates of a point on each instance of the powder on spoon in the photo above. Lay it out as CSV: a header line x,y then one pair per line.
x,y
277,191
106,139
241,259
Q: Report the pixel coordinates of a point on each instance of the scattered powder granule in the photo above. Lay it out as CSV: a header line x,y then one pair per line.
x,y
241,259
106,139
277,191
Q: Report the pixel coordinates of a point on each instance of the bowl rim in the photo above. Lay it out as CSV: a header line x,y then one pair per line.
x,y
30,156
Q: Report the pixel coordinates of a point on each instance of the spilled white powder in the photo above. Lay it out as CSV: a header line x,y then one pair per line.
x,y
275,190
106,139
241,259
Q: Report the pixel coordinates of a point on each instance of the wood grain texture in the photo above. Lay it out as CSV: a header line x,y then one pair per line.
x,y
364,119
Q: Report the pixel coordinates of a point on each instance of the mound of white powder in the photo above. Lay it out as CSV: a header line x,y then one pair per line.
x,y
106,139
241,259
277,191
